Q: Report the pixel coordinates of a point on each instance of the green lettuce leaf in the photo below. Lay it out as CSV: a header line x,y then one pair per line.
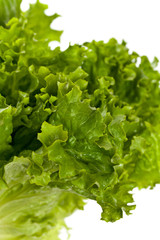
x,y
8,10
44,32
74,124
31,212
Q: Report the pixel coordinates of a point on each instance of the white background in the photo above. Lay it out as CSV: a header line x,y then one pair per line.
x,y
138,23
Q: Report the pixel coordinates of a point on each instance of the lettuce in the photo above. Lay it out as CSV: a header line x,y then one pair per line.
x,y
76,124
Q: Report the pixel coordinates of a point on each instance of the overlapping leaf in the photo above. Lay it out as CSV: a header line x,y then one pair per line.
x,y
77,124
